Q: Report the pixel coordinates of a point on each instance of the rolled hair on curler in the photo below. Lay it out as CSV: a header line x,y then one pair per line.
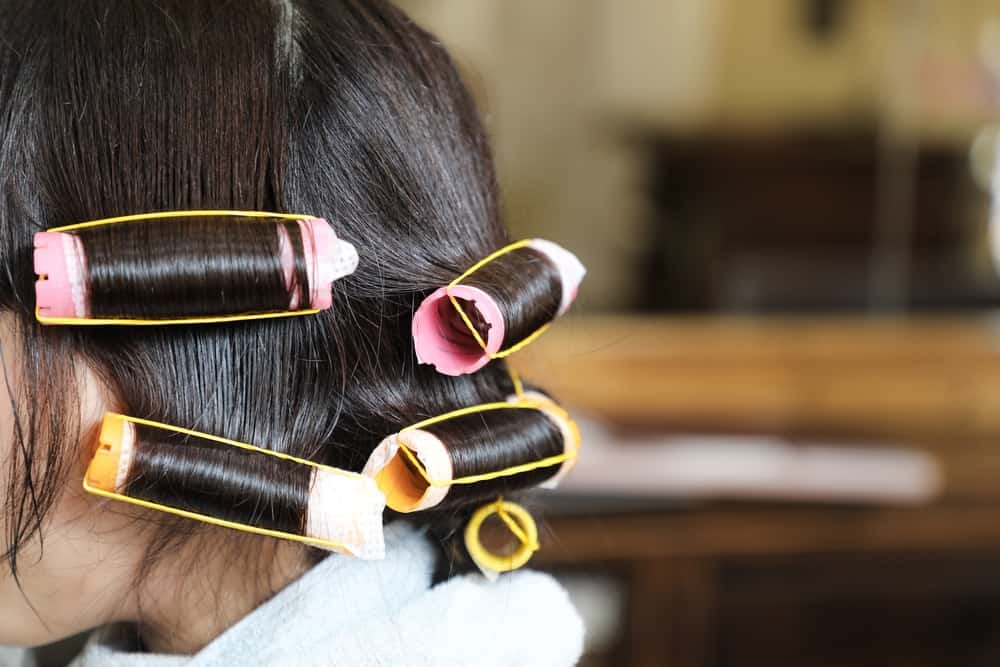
x,y
567,427
507,300
236,485
343,109
479,453
188,265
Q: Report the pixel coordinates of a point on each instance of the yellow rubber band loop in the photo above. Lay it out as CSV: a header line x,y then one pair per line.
x,y
515,528
159,215
521,524
517,245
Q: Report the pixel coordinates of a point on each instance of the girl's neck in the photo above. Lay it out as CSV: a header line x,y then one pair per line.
x,y
186,605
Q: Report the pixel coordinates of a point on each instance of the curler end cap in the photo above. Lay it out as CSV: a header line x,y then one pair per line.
x,y
571,270
347,509
109,467
405,489
334,259
327,259
58,260
454,351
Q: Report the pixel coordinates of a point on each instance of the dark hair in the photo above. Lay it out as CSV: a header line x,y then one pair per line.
x,y
527,436
199,475
190,267
344,110
526,303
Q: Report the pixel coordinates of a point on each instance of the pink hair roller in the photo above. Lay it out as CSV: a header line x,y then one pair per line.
x,y
63,290
456,353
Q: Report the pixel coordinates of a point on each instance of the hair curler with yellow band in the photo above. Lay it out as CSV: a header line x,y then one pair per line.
x,y
455,353
414,468
64,292
343,513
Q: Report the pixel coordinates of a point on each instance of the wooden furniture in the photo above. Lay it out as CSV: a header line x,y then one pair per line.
x,y
722,584
890,377
789,221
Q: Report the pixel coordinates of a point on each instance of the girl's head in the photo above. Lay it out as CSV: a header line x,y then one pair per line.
x,y
339,108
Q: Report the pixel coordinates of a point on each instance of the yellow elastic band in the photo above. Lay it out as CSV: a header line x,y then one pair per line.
x,y
84,321
520,523
515,378
524,404
305,539
236,443
159,215
142,217
468,322
516,245
514,527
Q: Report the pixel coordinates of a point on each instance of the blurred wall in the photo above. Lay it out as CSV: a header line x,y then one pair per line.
x,y
566,86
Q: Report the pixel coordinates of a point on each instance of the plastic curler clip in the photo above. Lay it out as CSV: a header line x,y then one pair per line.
x,y
344,512
519,521
62,296
434,340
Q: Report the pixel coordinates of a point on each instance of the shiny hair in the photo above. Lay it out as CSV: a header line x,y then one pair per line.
x,y
341,109
525,303
190,267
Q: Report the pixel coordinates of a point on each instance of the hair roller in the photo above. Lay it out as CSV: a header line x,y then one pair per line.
x,y
507,299
474,453
236,485
155,267
567,429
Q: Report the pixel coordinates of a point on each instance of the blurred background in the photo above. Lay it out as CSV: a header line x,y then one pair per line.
x,y
786,357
